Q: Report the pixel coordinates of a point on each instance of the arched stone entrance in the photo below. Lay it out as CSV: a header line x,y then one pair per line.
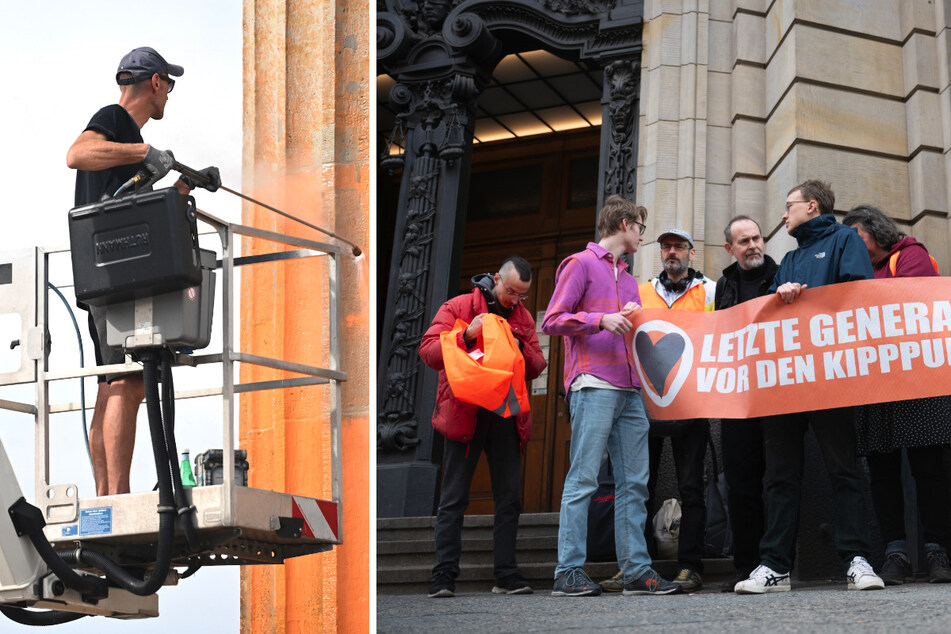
x,y
442,55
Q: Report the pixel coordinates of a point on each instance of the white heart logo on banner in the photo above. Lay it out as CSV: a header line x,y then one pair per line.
x,y
655,360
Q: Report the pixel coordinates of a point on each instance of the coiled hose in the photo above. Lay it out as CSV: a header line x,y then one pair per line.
x,y
166,506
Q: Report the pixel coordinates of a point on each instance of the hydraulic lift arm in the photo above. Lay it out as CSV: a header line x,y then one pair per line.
x,y
28,580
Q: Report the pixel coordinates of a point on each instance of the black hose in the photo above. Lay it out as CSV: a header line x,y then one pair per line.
x,y
166,505
193,566
28,520
82,364
39,618
185,510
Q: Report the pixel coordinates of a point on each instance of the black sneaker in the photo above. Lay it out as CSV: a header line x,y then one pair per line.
x,y
938,569
441,584
512,584
614,584
689,580
897,570
651,583
575,583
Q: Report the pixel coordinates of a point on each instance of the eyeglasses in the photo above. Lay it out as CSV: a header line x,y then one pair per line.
x,y
674,247
641,227
171,82
794,202
521,297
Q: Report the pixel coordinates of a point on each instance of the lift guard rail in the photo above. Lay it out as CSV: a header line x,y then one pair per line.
x,y
238,525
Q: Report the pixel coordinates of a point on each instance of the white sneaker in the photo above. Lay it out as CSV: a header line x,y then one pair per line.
x,y
764,579
862,577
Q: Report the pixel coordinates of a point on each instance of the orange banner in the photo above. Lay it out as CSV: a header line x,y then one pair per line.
x,y
847,344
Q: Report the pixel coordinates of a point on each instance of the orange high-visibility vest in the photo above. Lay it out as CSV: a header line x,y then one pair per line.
x,y
693,299
893,263
494,380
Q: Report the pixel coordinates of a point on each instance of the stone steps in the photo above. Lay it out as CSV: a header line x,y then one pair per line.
x,y
406,555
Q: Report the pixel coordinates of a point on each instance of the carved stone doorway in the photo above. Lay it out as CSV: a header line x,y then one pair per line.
x,y
440,56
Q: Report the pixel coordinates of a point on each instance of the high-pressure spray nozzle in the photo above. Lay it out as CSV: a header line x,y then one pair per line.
x,y
201,178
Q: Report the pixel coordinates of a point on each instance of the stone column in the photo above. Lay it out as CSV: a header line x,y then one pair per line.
x,y
437,116
618,158
926,58
672,158
306,151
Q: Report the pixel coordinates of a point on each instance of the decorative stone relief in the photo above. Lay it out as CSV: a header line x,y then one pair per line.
x,y
621,80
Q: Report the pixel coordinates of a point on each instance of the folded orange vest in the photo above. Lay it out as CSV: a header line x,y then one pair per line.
x,y
491,375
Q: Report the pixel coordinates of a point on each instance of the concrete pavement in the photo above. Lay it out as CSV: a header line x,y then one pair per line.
x,y
822,607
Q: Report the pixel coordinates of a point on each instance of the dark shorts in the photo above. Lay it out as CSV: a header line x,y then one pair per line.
x,y
105,354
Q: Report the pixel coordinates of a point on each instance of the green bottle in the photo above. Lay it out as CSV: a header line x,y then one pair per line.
x,y
188,479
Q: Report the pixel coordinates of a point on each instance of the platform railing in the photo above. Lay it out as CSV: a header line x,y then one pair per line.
x,y
34,333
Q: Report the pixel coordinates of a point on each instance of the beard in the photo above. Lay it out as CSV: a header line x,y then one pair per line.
x,y
754,261
675,268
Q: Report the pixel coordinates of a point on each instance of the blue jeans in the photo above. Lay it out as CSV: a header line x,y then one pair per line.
x,y
615,420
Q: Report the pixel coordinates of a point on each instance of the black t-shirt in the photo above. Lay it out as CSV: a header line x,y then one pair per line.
x,y
117,125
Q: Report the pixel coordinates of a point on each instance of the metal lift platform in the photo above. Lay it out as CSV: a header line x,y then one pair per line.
x,y
236,525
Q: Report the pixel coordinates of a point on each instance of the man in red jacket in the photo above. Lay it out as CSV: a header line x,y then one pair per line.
x,y
470,429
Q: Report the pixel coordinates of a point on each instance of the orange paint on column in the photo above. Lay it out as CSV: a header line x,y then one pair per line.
x,y
300,155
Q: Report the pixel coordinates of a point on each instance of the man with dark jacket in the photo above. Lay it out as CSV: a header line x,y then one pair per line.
x,y
742,440
828,253
469,429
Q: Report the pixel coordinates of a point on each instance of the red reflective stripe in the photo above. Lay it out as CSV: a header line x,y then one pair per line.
x,y
316,514
299,513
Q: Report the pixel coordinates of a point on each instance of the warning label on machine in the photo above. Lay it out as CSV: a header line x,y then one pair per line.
x,y
97,521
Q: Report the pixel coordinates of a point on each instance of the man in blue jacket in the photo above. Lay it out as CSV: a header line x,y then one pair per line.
x,y
828,253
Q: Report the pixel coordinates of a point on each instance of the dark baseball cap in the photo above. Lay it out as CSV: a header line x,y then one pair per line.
x,y
143,62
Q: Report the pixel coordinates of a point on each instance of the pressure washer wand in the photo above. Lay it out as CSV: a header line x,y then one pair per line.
x,y
201,178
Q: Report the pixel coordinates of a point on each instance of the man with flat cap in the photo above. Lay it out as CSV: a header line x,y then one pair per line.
x,y
680,287
108,153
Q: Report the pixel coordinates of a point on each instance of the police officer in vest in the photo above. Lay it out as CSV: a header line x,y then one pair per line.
x,y
680,287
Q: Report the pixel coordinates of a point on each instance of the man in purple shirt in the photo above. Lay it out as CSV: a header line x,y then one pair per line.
x,y
593,297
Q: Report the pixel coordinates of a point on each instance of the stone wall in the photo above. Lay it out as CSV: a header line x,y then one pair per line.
x,y
743,99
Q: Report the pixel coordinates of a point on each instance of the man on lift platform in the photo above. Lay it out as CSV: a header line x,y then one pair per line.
x,y
108,154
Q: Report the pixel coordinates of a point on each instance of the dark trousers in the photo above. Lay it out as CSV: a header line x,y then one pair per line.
x,y
744,466
783,446
498,437
931,482
688,440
